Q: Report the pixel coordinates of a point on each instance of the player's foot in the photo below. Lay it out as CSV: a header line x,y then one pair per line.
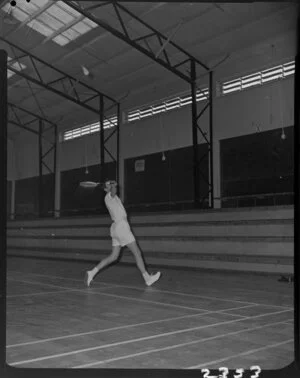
x,y
153,278
88,278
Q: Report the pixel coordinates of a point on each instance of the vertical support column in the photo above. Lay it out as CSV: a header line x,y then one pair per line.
x,y
40,168
102,152
296,195
118,143
57,175
3,213
13,199
54,167
195,138
211,141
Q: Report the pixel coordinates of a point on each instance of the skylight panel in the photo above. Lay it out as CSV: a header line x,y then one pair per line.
x,y
31,7
70,34
68,9
49,18
39,27
81,27
16,65
90,23
57,12
61,40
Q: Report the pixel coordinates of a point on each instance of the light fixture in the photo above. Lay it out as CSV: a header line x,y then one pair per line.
x,y
85,71
283,136
163,158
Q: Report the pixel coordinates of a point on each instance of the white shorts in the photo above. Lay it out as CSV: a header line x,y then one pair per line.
x,y
121,234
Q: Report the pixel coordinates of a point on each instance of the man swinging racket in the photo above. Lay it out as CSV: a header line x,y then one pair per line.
x,y
121,236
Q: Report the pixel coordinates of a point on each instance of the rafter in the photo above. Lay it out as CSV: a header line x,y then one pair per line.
x,y
123,34
35,75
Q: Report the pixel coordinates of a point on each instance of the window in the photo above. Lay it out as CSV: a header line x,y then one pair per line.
x,y
278,72
89,129
55,20
16,65
165,106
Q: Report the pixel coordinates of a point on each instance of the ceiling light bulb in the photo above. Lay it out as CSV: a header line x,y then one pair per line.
x,y
86,72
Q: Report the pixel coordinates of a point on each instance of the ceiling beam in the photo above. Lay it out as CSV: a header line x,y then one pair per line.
x,y
88,44
16,107
22,126
72,93
124,36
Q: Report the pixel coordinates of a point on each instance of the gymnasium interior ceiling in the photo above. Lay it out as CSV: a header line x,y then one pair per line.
x,y
56,33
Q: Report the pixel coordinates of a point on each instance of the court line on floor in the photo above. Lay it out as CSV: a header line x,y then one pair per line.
x,y
205,364
173,346
130,326
40,293
199,296
114,295
160,291
59,355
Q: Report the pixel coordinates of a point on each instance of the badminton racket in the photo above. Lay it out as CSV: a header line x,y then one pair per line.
x,y
89,184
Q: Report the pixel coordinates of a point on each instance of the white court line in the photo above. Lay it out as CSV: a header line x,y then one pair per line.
x,y
173,346
201,296
130,326
147,338
115,296
240,354
39,293
160,291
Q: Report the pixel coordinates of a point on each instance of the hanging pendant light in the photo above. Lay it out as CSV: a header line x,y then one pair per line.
x,y
283,136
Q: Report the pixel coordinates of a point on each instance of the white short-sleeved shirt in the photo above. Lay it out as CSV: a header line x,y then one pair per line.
x,y
115,207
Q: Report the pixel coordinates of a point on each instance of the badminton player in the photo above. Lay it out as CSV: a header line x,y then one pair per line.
x,y
121,236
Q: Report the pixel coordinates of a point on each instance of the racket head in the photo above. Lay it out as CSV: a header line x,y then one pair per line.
x,y
88,184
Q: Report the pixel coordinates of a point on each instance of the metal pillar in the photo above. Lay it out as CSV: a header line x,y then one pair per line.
x,y
195,135
15,114
208,178
3,213
13,199
43,154
211,140
296,196
57,176
106,136
118,143
102,148
41,197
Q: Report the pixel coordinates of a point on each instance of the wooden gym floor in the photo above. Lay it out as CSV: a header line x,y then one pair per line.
x,y
189,319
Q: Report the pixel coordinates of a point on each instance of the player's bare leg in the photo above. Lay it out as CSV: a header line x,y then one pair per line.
x,y
90,274
149,279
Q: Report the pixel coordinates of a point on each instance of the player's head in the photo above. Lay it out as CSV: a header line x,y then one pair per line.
x,y
109,185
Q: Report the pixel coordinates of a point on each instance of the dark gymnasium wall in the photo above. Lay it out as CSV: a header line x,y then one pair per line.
x,y
255,165
252,166
165,181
